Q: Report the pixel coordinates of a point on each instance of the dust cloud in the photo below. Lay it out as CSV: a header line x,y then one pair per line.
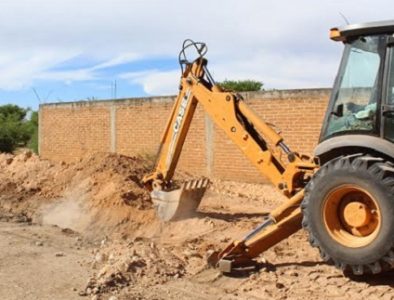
x,y
68,212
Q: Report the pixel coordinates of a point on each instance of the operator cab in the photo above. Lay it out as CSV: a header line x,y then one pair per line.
x,y
362,100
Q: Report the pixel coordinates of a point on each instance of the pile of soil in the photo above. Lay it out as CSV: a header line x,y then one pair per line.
x,y
137,262
97,195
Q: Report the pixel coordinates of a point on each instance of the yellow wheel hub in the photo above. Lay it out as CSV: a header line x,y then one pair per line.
x,y
351,216
356,214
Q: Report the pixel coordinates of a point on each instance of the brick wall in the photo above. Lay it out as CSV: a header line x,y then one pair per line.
x,y
69,131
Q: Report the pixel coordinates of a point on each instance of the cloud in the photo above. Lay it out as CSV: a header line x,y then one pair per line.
x,y
118,60
19,69
88,73
67,76
283,44
155,82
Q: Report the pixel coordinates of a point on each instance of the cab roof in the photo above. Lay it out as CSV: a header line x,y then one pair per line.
x,y
345,32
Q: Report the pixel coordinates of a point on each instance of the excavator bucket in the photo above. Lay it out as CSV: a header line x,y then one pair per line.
x,y
179,203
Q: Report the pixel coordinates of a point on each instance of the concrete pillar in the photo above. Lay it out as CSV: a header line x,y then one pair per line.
x,y
112,111
209,139
40,124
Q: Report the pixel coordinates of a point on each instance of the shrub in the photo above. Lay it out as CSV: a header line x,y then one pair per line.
x,y
241,85
15,129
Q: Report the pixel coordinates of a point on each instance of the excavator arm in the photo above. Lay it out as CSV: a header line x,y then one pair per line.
x,y
260,143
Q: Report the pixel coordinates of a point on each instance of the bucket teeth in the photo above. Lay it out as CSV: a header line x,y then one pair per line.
x,y
199,184
179,203
196,184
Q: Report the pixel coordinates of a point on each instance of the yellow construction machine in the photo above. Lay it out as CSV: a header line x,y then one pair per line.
x,y
343,196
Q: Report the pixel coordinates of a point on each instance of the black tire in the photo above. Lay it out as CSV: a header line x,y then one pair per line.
x,y
371,174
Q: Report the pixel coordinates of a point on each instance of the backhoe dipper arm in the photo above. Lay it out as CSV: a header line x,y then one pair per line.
x,y
256,139
172,140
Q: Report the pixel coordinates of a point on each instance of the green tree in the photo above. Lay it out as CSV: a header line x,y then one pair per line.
x,y
241,85
13,110
16,130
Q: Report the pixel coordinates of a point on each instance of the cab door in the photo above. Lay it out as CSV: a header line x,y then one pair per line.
x,y
388,94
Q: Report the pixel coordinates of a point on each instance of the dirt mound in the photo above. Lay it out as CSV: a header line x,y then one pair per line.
x,y
100,193
140,261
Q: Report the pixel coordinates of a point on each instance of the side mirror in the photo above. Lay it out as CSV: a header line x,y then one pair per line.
x,y
338,110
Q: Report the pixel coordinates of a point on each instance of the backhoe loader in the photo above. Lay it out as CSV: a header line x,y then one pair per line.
x,y
343,196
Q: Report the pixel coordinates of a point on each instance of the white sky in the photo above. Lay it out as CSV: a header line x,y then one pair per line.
x,y
282,43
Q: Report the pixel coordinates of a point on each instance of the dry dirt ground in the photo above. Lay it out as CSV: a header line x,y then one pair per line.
x,y
87,231
40,262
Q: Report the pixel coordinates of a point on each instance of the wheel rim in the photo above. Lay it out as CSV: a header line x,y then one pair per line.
x,y
351,216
